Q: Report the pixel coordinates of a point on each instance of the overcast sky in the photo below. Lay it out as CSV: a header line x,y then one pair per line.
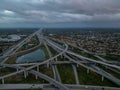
x,y
60,13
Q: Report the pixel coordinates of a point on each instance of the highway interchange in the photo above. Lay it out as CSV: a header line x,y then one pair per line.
x,y
74,59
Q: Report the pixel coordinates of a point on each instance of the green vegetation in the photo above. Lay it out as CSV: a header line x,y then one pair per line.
x,y
92,78
89,56
58,42
30,44
111,57
117,75
66,74
62,58
66,71
12,58
5,71
20,79
53,51
78,51
46,70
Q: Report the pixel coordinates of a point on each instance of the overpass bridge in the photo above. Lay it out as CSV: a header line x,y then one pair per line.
x,y
74,59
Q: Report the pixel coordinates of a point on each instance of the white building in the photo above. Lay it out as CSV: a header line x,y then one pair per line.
x,y
10,38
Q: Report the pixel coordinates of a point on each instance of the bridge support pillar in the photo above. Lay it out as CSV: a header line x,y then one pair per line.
x,y
38,68
17,69
47,65
53,69
3,81
77,65
102,78
56,59
88,71
25,75
36,77
64,55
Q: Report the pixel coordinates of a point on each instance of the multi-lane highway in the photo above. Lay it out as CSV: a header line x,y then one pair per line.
x,y
50,87
93,68
62,51
59,85
85,58
12,50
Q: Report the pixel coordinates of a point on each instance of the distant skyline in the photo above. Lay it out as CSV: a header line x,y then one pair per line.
x,y
59,13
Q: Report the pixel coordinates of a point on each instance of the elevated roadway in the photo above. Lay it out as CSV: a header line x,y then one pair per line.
x,y
93,68
51,87
62,50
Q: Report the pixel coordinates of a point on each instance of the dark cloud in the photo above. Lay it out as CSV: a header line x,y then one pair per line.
x,y
59,11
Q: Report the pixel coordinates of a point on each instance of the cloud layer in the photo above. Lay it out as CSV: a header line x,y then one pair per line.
x,y
59,11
